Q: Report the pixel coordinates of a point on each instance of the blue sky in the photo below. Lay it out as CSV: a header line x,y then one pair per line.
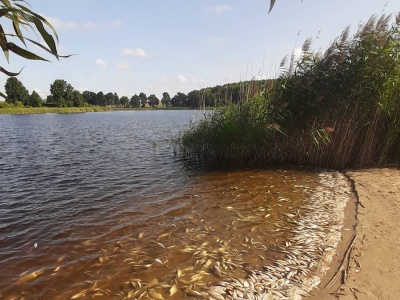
x,y
152,46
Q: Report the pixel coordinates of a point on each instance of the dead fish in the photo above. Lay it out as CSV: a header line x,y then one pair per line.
x,y
164,235
29,277
192,293
79,295
173,290
153,294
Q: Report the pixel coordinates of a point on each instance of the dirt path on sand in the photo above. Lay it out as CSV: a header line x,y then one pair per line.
x,y
374,271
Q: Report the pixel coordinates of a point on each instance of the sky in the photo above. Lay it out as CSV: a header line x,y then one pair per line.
x,y
156,46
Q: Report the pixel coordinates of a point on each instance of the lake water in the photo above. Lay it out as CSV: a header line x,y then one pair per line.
x,y
96,205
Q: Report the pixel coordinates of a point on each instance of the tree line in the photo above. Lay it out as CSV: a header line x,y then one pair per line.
x,y
63,94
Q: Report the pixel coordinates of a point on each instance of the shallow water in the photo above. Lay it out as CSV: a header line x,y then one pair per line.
x,y
97,205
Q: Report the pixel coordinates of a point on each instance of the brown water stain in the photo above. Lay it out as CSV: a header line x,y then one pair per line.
x,y
228,222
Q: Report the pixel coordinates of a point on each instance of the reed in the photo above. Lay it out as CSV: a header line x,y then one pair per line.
x,y
340,108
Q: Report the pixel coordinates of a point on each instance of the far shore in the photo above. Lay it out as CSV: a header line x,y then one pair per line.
x,y
50,110
73,110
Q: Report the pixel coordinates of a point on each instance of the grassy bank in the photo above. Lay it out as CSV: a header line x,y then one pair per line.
x,y
46,110
340,108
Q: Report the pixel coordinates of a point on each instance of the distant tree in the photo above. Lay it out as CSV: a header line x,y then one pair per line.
x,y
58,91
69,95
179,100
166,99
209,97
143,99
49,101
35,100
78,99
109,99
16,91
193,99
100,99
90,97
135,101
124,101
153,100
116,99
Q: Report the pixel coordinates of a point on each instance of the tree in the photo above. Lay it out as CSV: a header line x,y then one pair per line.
x,y
58,91
124,101
179,100
49,101
100,99
116,100
153,100
64,94
69,95
78,99
19,15
90,97
135,101
143,99
109,98
193,99
166,99
16,91
35,100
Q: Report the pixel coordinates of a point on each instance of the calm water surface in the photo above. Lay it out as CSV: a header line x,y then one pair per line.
x,y
94,205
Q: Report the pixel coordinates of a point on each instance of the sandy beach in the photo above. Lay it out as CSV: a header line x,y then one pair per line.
x,y
369,268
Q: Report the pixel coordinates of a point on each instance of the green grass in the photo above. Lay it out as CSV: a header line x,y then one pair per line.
x,y
335,109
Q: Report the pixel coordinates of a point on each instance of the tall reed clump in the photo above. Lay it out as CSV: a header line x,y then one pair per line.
x,y
340,108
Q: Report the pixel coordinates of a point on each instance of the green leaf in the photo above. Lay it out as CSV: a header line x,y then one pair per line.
x,y
6,3
18,32
3,43
40,18
10,73
272,3
46,49
24,53
46,36
4,11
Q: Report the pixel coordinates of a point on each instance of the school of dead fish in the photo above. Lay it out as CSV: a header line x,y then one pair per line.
x,y
219,270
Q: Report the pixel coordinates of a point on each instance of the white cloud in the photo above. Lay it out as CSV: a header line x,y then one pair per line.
x,y
100,62
58,24
134,52
41,94
94,26
164,80
123,65
220,9
178,80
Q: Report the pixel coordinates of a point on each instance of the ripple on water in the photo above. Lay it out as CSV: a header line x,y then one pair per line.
x,y
227,221
110,212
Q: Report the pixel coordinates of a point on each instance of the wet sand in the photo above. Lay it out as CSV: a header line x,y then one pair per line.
x,y
372,264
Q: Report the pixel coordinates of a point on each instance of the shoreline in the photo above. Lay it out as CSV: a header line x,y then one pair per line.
x,y
308,254
372,263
